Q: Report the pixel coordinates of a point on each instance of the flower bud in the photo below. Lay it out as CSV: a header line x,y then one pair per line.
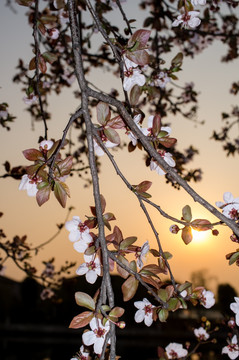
x,y
121,324
174,229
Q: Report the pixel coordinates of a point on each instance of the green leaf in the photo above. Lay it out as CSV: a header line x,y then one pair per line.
x,y
49,57
163,315
162,293
173,304
127,242
85,300
234,258
112,135
177,60
129,288
187,214
117,312
81,320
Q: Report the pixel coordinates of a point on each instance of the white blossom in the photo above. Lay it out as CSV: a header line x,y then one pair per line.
x,y
161,80
3,114
230,206
107,143
175,351
30,99
30,184
46,144
207,299
188,19
235,308
167,157
132,136
91,268
141,254
97,335
53,33
201,334
198,2
232,349
144,312
79,234
132,75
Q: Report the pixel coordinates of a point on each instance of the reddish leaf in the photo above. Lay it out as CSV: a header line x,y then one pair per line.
x,y
140,57
151,281
64,166
127,242
103,112
122,272
81,320
143,186
33,154
153,268
167,141
25,2
177,60
43,194
61,191
201,224
116,123
141,36
117,312
103,203
187,234
129,288
32,64
156,125
135,95
42,64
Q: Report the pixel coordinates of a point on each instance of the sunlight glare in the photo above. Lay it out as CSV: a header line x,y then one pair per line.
x,y
200,236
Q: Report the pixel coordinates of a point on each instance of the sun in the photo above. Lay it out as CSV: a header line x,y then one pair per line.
x,y
200,236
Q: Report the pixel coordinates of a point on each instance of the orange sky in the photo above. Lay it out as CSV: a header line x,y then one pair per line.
x,y
220,174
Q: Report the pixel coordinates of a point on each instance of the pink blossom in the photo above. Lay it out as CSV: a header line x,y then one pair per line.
x,y
188,19
91,268
175,351
96,336
3,114
201,334
232,349
145,312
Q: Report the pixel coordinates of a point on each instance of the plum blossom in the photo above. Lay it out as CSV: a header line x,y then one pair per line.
x,y
81,355
132,137
232,349
30,99
144,312
29,183
201,334
46,145
163,128
188,19
161,80
230,206
79,234
3,114
68,76
175,351
53,33
207,299
167,157
132,75
235,308
97,335
141,254
107,143
91,268
47,293
198,2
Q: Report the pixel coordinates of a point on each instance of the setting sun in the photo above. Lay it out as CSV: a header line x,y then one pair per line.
x,y
200,236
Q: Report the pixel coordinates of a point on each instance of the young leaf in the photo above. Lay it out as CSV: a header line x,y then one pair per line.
x,y
112,135
85,300
33,154
129,288
187,214
81,320
61,191
103,113
43,194
187,234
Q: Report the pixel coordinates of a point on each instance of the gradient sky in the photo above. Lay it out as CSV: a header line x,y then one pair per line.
x,y
220,174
